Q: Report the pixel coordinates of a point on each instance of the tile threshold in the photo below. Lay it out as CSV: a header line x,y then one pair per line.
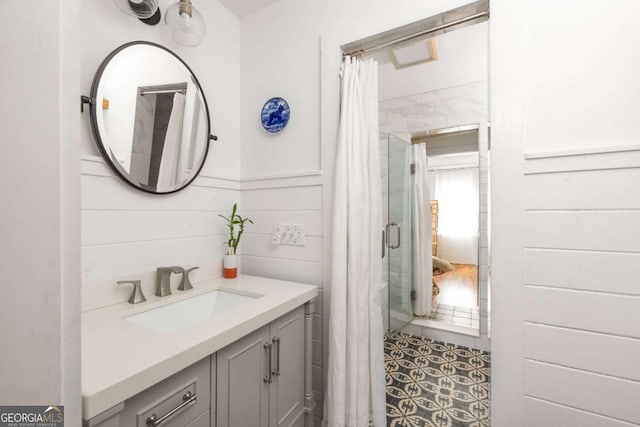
x,y
445,326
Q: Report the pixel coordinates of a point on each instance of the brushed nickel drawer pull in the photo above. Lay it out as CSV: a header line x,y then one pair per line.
x,y
187,400
276,343
268,378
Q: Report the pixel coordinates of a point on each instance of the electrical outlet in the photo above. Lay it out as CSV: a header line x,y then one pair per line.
x,y
289,234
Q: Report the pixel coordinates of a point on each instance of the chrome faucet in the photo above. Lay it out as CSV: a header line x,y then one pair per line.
x,y
163,284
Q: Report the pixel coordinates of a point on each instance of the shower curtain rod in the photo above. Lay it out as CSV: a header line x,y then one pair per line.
x,y
157,92
419,34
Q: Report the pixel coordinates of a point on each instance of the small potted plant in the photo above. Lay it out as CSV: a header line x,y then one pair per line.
x,y
230,264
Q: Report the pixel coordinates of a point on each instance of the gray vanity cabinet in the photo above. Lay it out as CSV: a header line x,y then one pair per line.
x,y
182,400
261,377
261,380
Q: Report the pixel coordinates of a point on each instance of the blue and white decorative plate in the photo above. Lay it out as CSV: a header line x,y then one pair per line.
x,y
275,115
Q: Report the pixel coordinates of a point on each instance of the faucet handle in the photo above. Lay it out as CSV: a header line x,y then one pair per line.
x,y
185,285
136,294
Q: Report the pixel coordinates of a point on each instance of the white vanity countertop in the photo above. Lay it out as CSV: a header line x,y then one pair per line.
x,y
120,359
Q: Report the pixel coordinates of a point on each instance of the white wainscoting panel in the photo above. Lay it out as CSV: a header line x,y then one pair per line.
x,y
595,352
593,271
263,221
104,265
591,311
605,158
110,193
120,226
283,269
127,234
581,289
601,189
103,262
543,413
584,230
260,245
583,390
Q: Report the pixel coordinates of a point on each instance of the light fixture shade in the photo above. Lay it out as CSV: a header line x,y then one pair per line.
x,y
185,23
141,9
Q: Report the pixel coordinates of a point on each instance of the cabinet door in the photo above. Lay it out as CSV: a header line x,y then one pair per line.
x,y
201,421
286,400
243,394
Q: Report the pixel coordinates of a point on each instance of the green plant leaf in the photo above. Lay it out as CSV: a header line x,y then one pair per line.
x,y
232,221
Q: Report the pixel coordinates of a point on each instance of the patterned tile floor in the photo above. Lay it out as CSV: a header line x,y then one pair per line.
x,y
434,384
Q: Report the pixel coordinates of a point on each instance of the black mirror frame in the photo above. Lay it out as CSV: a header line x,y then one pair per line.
x,y
94,114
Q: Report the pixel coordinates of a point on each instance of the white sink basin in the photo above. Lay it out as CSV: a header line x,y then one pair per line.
x,y
183,314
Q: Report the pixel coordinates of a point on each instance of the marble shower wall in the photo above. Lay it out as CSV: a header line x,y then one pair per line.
x,y
458,105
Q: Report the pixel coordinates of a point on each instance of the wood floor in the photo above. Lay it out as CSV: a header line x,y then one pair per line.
x,y
458,287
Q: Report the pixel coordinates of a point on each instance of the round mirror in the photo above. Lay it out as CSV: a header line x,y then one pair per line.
x,y
150,118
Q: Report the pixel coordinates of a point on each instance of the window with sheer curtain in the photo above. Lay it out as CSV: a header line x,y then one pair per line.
x,y
457,193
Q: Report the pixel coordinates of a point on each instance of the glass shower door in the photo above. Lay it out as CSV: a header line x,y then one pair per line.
x,y
398,232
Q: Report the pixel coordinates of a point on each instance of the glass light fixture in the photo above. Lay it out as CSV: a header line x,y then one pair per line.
x,y
185,23
145,10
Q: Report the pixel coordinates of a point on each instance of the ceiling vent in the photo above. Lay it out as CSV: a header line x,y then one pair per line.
x,y
414,54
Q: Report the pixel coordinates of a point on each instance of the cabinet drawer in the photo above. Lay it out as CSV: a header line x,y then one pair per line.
x,y
180,399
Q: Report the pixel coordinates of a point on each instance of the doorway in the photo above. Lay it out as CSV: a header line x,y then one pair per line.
x,y
433,91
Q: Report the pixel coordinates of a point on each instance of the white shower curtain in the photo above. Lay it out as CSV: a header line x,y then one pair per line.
x,y
422,250
172,141
356,384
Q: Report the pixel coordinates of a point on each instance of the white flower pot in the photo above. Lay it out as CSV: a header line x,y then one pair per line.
x,y
230,266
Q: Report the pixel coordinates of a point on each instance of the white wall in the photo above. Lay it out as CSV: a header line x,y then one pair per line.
x,y
280,57
565,299
39,182
127,234
588,82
